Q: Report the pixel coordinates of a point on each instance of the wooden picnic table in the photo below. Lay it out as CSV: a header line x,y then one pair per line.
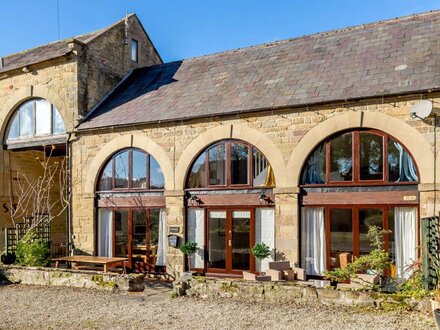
x,y
107,262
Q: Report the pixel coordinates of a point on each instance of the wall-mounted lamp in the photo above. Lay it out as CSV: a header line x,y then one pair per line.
x,y
194,200
262,199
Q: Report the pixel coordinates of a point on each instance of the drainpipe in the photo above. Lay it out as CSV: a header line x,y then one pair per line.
x,y
69,196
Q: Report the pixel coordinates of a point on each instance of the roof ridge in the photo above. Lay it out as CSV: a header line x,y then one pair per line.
x,y
324,33
92,34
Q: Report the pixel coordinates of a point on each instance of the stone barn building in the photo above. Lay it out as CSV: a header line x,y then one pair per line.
x,y
302,144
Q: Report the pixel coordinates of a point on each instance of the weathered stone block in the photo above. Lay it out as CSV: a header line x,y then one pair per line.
x,y
279,265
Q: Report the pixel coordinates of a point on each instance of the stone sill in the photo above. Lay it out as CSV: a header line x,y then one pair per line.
x,y
73,278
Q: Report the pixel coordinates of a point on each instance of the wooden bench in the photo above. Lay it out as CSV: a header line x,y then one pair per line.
x,y
106,262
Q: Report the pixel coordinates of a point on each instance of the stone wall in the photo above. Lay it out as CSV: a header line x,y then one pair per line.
x,y
73,278
285,137
293,292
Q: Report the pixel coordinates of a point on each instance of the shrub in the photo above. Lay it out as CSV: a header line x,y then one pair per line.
x,y
377,261
32,251
261,251
189,248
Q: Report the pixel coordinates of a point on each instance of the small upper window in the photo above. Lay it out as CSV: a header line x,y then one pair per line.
x,y
36,117
134,50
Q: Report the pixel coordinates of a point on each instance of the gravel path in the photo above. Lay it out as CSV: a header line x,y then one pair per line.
x,y
23,307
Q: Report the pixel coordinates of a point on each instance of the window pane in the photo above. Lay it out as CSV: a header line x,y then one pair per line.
x,y
134,50
368,218
105,182
121,233
26,121
139,228
341,158
157,180
121,170
196,177
371,156
217,165
217,239
341,237
239,163
401,166
241,240
314,170
58,123
14,128
43,117
154,229
139,169
263,173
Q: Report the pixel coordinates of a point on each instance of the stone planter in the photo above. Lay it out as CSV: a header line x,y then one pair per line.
x,y
437,317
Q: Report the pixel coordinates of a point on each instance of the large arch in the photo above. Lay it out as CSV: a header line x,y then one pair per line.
x,y
231,131
126,141
28,92
409,136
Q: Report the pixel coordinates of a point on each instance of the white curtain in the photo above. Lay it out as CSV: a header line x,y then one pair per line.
x,y
265,233
105,237
313,240
196,233
405,235
162,243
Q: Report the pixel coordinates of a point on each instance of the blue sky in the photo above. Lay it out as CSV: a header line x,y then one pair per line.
x,y
187,28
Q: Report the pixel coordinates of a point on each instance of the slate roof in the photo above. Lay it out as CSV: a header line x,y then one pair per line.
x,y
385,58
49,51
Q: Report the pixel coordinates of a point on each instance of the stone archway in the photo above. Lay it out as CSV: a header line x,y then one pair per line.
x,y
221,132
406,134
127,141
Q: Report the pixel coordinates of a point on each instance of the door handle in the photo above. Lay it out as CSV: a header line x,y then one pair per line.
x,y
230,243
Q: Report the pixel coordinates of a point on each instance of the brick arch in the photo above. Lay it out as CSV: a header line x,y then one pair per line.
x,y
221,132
29,92
128,141
409,136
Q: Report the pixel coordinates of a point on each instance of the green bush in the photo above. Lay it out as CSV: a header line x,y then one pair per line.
x,y
261,251
189,248
32,251
377,261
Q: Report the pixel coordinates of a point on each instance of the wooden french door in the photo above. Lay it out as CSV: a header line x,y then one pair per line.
x,y
230,234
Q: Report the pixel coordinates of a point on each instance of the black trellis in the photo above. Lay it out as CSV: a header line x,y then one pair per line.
x,y
14,235
430,234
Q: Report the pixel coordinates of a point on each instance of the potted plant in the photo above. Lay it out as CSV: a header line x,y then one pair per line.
x,y
261,251
189,248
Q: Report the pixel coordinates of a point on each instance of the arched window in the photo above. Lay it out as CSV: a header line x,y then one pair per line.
x,y
359,157
36,117
230,163
350,182
131,217
131,169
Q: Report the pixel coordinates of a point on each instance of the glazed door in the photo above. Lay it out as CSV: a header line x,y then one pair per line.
x,y
230,235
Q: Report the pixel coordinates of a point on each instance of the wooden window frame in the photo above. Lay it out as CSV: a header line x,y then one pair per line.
x,y
356,181
355,225
130,187
228,166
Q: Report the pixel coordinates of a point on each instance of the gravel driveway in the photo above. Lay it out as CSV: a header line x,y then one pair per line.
x,y
23,307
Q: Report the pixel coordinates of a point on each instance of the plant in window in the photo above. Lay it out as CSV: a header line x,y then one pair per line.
x,y
261,251
376,262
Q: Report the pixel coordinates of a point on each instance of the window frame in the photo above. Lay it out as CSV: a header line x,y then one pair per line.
x,y
17,114
130,172
228,167
136,53
356,181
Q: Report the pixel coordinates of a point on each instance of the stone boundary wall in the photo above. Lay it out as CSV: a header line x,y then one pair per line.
x,y
72,278
293,292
